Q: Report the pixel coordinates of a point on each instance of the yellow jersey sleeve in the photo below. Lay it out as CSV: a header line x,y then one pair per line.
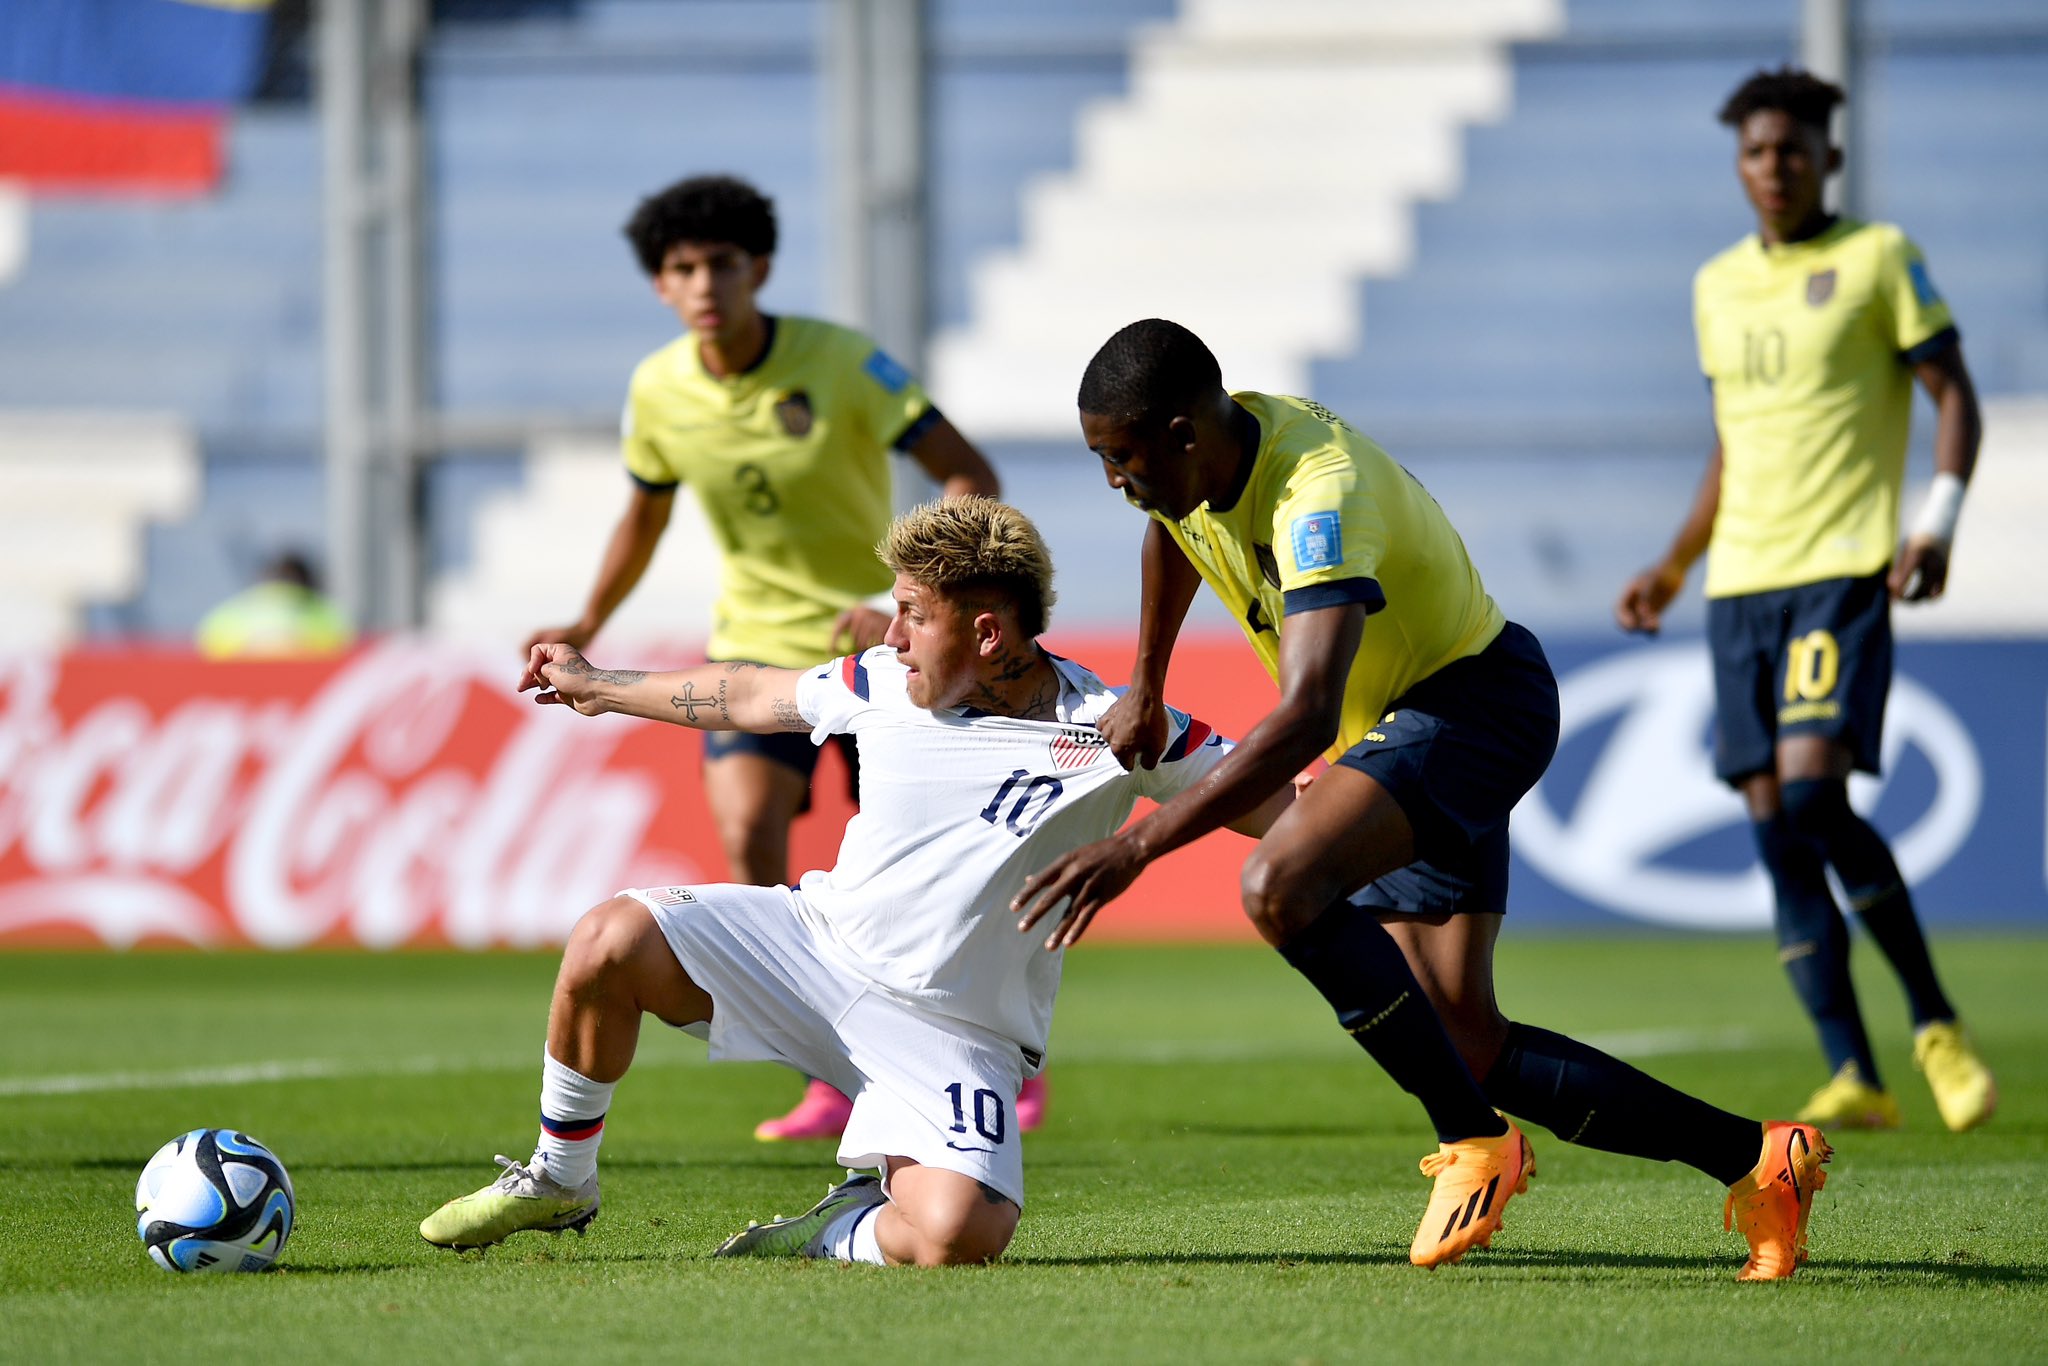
x,y
891,404
1329,536
1916,311
643,456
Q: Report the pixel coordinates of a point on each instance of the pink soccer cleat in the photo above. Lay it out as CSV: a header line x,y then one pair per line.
x,y
1031,1104
822,1113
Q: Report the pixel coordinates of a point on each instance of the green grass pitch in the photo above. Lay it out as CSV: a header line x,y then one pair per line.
x,y
1222,1177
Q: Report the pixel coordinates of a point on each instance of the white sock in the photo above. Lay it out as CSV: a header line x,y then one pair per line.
x,y
572,1110
851,1237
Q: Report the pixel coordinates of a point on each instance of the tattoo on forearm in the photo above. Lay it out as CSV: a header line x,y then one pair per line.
x,y
787,716
741,665
688,703
579,666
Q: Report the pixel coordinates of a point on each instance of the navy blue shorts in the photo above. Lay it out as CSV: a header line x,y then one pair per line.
x,y
790,748
1457,751
1811,660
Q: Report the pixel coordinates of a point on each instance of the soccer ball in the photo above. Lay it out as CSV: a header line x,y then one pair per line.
x,y
214,1200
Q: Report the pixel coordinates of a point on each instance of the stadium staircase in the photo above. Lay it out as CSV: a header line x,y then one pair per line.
x,y
1268,156
75,490
1548,307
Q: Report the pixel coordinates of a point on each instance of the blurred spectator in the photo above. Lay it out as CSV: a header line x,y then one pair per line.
x,y
282,615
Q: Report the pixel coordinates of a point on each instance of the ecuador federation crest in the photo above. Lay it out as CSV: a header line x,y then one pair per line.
x,y
1820,287
794,412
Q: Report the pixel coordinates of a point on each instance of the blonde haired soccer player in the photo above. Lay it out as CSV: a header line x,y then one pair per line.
x,y
1385,885
782,426
895,975
1811,333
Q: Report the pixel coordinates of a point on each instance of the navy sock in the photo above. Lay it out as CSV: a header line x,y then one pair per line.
x,y
1355,963
1877,893
1813,944
1585,1097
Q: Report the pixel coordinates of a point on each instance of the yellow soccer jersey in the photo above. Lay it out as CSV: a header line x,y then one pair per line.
x,y
1329,518
790,462
1809,348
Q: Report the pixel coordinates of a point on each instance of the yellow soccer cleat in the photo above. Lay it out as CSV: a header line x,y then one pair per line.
x,y
1474,1181
1771,1205
1849,1102
1964,1090
523,1197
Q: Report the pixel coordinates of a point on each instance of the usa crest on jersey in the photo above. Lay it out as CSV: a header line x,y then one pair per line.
x,y
1077,748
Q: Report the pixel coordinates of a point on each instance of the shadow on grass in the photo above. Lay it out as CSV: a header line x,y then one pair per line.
x,y
1562,1260
519,1257
611,1164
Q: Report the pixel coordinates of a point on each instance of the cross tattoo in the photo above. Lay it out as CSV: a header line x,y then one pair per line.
x,y
689,702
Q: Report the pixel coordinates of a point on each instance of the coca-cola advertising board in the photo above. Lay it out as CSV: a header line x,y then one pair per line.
x,y
405,795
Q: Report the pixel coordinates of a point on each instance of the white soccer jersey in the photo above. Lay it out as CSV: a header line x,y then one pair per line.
x,y
957,809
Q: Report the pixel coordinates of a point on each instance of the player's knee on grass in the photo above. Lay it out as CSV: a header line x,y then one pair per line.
x,y
950,1219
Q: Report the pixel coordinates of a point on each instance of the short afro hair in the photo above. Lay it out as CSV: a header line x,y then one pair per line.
x,y
705,208
975,550
1793,91
1149,373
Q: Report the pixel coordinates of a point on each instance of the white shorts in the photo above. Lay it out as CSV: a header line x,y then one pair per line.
x,y
936,1090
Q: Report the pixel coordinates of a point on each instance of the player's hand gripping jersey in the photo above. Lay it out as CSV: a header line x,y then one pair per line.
x,y
1330,518
957,808
790,463
1809,347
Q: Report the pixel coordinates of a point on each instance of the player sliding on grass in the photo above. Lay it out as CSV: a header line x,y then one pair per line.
x,y
895,976
783,427
1357,595
1811,332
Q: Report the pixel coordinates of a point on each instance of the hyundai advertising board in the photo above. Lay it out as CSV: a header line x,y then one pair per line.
x,y
1630,823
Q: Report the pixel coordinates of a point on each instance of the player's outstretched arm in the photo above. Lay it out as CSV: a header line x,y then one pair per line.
x,y
626,557
1644,598
732,696
1920,570
1136,726
1316,651
954,464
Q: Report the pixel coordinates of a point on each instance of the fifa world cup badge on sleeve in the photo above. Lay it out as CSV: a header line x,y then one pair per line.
x,y
1318,541
886,372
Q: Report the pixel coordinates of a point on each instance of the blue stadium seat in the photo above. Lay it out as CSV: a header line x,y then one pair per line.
x,y
1555,286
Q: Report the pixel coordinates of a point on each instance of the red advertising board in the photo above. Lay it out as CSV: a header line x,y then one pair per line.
x,y
405,795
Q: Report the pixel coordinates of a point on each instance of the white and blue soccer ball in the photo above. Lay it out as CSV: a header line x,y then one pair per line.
x,y
214,1200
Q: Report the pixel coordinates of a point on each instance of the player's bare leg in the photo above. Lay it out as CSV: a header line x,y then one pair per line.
x,y
1452,956
1347,830
617,967
930,1217
753,801
937,1217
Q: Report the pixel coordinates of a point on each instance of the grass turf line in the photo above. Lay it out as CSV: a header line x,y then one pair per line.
x,y
1256,1206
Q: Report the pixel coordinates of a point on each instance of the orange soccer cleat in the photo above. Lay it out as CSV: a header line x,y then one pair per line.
x,y
1772,1203
1475,1179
